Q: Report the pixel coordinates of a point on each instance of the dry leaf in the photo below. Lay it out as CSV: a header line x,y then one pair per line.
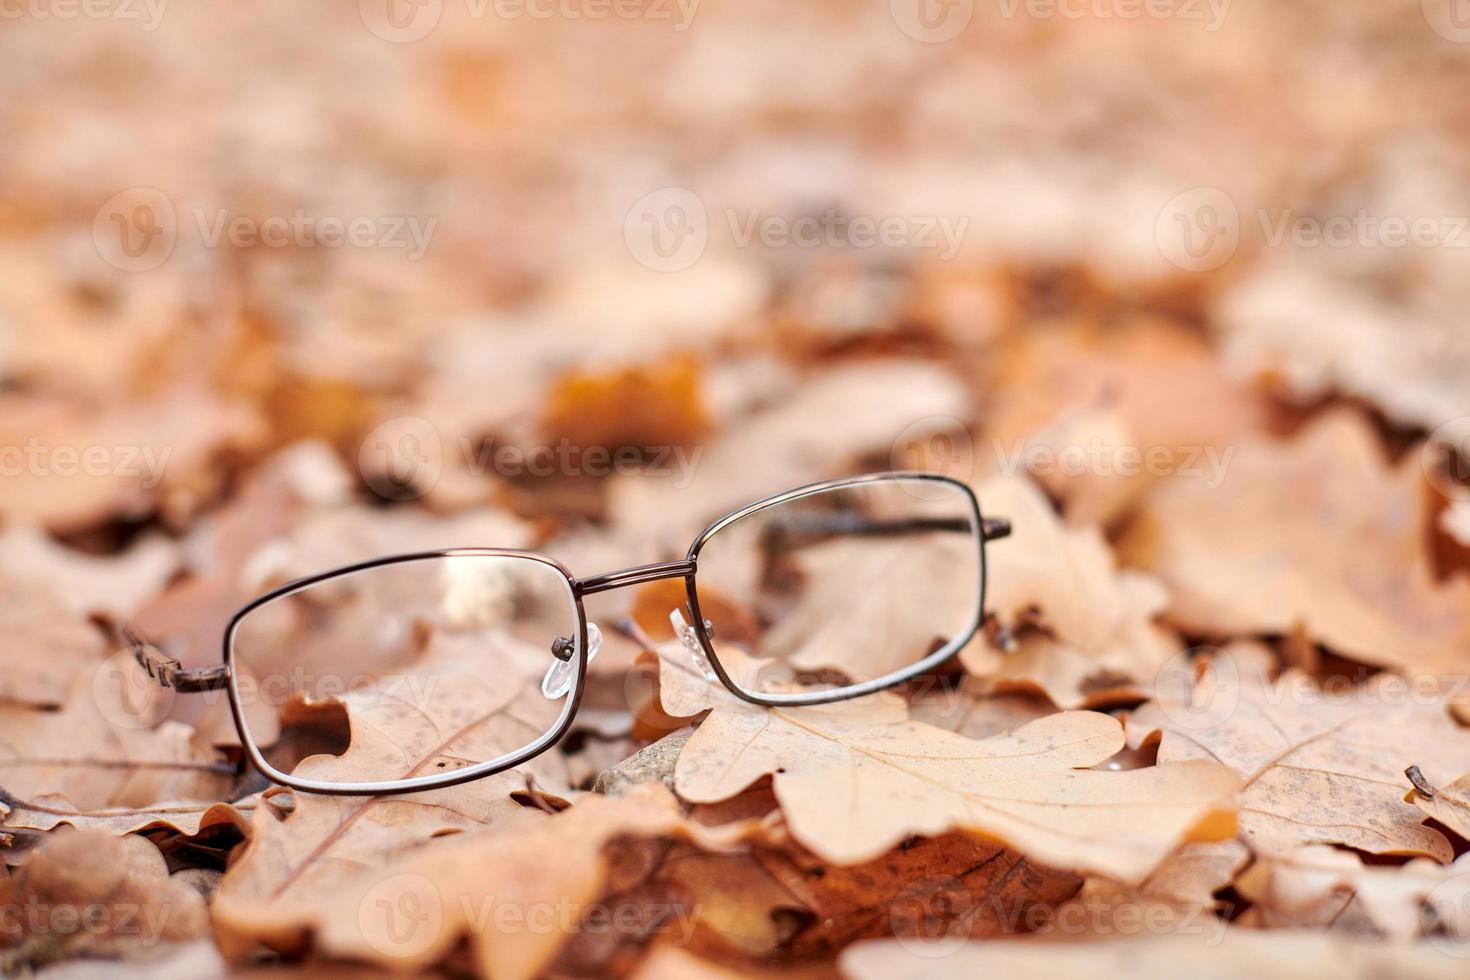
x,y
1326,888
1097,641
44,647
89,893
1240,953
1319,766
1320,533
1449,804
857,777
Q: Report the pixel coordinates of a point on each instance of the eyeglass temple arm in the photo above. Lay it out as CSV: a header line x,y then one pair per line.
x,y
991,528
169,672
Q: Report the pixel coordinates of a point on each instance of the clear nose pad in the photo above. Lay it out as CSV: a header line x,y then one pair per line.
x,y
558,679
690,641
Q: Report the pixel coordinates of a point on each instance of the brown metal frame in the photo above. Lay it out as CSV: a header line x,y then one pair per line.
x,y
169,673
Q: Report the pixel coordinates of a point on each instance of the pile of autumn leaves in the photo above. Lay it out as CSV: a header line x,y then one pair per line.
x,y
1186,738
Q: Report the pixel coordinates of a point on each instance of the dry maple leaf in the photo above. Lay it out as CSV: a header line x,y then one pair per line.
x,y
1240,953
90,893
1318,533
1317,766
857,777
1098,641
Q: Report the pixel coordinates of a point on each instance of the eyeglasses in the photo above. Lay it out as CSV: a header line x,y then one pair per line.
x,y
435,668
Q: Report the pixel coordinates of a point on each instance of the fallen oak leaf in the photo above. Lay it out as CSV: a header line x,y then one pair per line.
x,y
1290,955
188,819
44,647
1324,887
516,890
90,893
1449,804
1086,630
479,707
857,777
1318,533
96,751
1315,769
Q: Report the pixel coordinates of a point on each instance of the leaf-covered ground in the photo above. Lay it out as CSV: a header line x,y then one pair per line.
x,y
1177,288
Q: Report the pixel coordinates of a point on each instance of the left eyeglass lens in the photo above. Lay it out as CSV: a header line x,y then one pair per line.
x,y
407,669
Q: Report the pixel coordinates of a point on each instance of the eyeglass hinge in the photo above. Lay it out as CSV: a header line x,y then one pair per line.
x,y
995,528
170,673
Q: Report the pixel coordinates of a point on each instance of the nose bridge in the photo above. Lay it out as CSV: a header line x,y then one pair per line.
x,y
636,575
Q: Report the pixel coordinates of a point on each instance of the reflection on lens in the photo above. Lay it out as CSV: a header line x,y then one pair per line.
x,y
842,586
408,669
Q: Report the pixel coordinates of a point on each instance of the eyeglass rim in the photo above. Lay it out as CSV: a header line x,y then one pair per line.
x,y
418,783
847,693
577,588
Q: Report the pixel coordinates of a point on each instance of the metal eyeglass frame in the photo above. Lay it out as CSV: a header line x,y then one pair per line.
x,y
171,674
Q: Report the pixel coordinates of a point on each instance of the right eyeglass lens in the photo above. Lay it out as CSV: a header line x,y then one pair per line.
x,y
412,668
842,586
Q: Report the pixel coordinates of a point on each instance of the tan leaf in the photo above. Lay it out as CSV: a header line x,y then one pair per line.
x,y
1321,887
44,648
90,893
188,819
98,752
1449,804
1137,402
1097,640
1318,766
1318,532
516,891
1239,953
857,777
